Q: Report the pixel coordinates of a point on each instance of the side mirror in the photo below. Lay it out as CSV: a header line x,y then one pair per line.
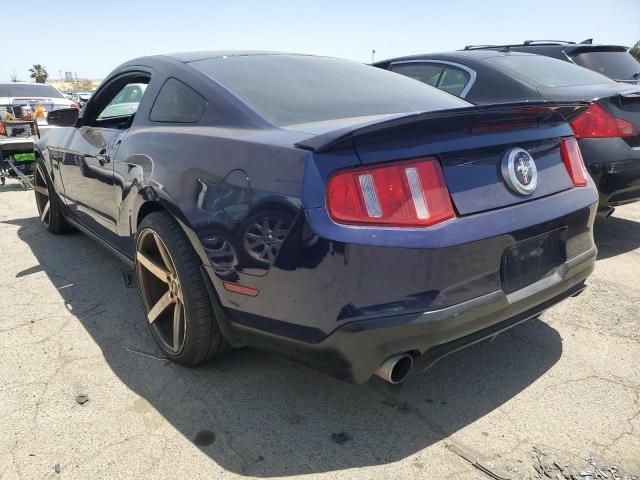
x,y
67,117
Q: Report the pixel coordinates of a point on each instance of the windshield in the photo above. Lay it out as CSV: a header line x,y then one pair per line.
x,y
28,90
547,72
617,65
293,89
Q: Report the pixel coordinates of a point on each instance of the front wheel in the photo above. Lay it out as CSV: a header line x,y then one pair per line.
x,y
48,204
173,292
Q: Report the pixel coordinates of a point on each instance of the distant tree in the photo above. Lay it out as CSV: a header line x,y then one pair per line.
x,y
635,50
39,73
14,77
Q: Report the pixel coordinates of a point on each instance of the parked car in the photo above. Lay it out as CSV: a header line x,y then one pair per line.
x,y
23,108
608,132
347,217
614,61
80,98
18,96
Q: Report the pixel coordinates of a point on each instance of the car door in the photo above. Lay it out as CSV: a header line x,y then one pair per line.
x,y
450,77
86,162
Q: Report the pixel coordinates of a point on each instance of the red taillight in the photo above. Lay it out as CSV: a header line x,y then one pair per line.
x,y
407,194
596,122
572,159
74,106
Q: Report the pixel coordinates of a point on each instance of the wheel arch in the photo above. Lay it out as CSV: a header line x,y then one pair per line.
x,y
145,209
158,204
151,206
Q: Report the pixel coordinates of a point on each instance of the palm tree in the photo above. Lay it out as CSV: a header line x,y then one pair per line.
x,y
635,50
39,73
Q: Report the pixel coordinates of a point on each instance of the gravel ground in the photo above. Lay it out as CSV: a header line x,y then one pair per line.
x,y
84,394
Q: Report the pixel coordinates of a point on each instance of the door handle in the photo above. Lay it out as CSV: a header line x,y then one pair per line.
x,y
103,157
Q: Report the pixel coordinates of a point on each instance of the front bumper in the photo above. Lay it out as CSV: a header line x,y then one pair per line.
x,y
355,350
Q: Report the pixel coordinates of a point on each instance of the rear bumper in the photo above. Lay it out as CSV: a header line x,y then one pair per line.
x,y
619,183
355,350
615,169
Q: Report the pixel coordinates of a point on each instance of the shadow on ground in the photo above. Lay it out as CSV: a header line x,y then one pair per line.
x,y
258,414
615,236
11,187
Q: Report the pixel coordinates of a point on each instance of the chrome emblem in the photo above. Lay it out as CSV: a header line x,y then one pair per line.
x,y
519,171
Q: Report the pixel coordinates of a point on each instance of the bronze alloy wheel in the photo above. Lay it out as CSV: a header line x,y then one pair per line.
x,y
42,195
161,291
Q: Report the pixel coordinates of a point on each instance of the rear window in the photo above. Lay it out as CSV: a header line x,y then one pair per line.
x,y
28,90
448,78
428,73
453,80
616,65
292,89
546,71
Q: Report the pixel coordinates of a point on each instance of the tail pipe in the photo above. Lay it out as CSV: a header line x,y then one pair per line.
x,y
606,212
395,368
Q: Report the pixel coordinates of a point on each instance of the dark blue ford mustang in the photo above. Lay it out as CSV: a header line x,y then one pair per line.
x,y
356,220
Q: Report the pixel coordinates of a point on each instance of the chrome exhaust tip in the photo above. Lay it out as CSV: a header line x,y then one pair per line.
x,y
396,368
605,212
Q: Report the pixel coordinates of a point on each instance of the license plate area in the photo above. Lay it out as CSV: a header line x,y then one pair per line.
x,y
530,260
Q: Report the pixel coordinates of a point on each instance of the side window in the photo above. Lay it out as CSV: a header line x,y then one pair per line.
x,y
424,72
177,103
453,80
125,103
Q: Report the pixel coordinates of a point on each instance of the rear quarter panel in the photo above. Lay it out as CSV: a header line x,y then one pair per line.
x,y
211,179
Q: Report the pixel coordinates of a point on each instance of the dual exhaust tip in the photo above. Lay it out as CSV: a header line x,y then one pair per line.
x,y
396,368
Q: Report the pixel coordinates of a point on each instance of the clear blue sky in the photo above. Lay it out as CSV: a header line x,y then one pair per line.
x,y
93,37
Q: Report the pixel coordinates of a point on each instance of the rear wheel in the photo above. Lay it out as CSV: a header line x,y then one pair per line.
x,y
49,208
173,292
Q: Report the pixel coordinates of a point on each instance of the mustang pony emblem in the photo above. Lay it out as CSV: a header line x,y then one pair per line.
x,y
519,171
524,170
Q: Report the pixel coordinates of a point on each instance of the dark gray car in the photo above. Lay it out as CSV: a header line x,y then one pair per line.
x,y
614,61
608,131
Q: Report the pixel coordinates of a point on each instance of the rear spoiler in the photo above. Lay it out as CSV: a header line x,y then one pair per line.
x,y
632,93
577,49
545,111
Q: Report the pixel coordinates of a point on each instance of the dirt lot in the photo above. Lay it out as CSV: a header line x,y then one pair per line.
x,y
558,389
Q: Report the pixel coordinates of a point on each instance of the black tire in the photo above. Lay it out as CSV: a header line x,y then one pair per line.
x,y
199,336
51,216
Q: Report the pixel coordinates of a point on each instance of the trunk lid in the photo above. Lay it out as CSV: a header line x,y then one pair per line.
x,y
625,106
618,99
471,144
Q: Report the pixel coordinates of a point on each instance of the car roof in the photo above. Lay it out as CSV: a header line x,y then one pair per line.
x,y
547,44
187,57
27,83
477,55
